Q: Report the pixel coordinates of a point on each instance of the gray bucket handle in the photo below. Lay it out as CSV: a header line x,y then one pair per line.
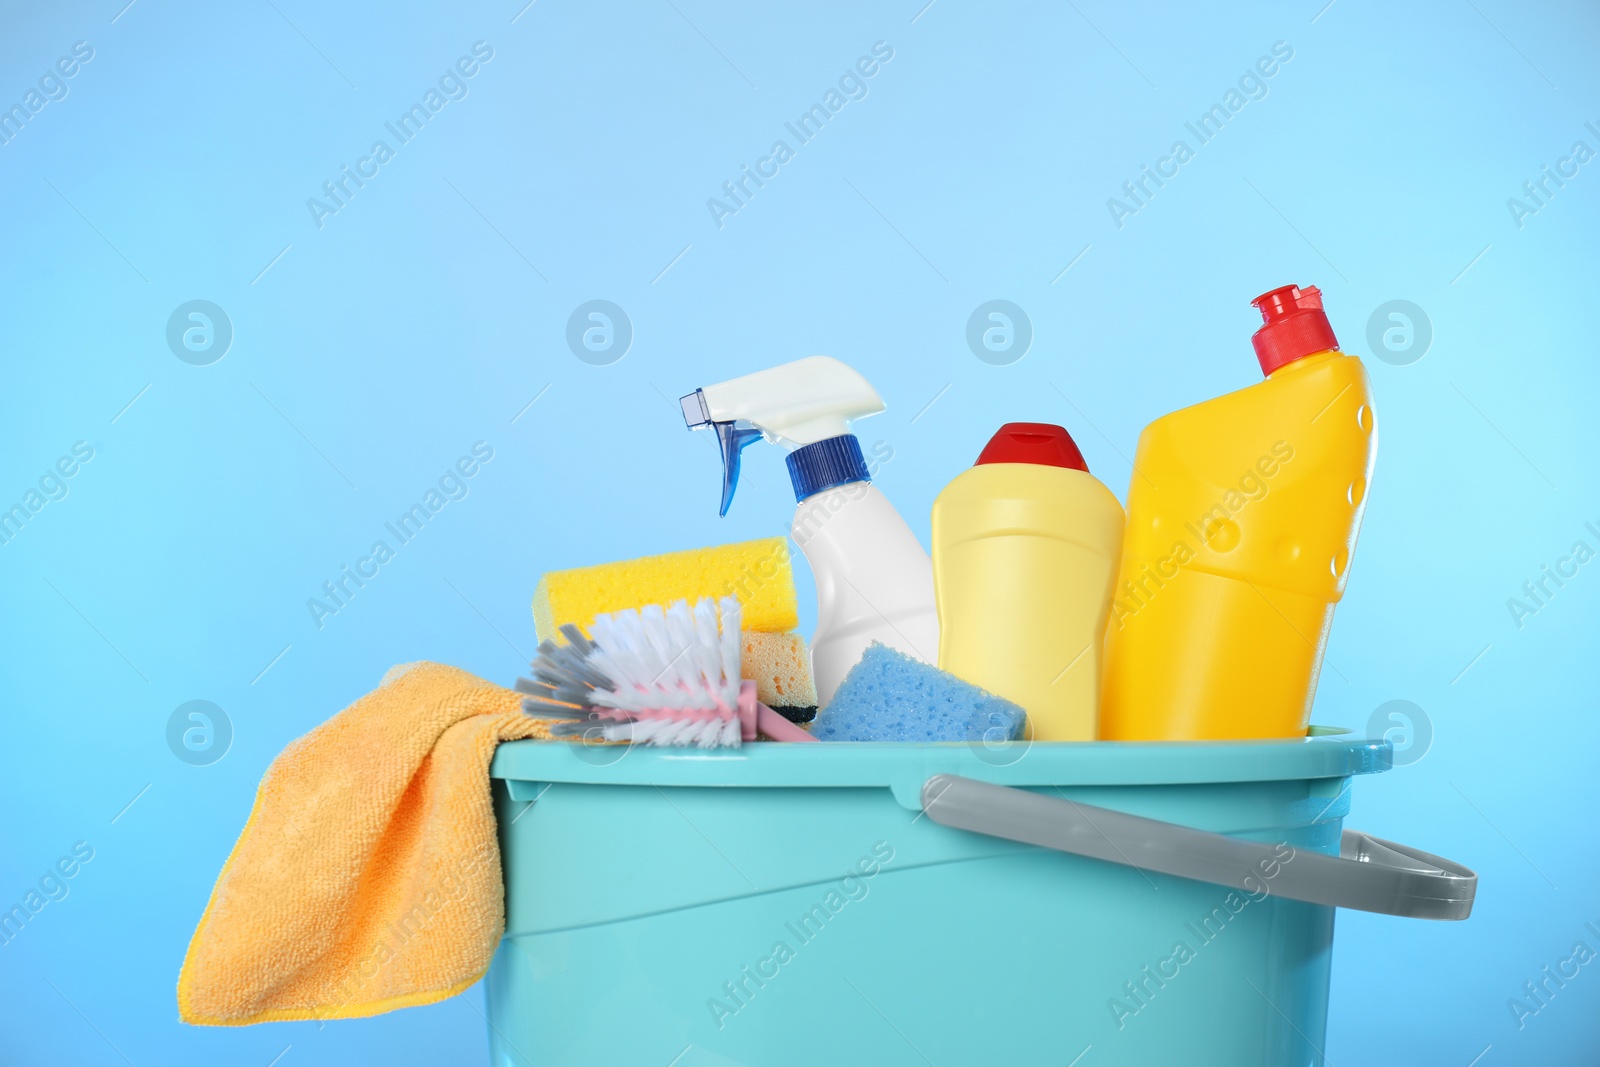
x,y
1369,874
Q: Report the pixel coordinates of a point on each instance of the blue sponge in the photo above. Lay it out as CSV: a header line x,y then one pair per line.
x,y
889,696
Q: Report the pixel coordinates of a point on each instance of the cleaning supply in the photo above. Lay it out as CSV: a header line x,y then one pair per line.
x,y
1242,516
757,572
1025,550
889,696
780,665
874,580
655,676
368,875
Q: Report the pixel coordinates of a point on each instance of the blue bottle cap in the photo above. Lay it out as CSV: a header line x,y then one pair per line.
x,y
827,463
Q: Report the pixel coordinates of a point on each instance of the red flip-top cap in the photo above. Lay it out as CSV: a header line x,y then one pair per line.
x,y
1295,326
1043,443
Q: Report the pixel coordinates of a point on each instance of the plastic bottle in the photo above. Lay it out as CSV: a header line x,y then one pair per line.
x,y
874,579
1242,517
1025,549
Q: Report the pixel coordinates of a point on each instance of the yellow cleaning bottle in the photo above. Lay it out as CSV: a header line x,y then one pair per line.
x,y
1242,516
1025,547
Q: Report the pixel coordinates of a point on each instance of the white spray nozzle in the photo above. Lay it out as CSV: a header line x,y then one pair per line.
x,y
803,402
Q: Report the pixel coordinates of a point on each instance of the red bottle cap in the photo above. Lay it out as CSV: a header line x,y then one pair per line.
x,y
1296,326
1043,443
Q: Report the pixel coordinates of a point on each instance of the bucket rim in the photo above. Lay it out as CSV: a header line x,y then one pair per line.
x,y
902,765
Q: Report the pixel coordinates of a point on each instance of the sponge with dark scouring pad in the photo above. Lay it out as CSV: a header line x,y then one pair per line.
x,y
781,668
889,696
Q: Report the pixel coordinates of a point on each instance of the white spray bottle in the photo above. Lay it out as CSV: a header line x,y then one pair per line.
x,y
874,579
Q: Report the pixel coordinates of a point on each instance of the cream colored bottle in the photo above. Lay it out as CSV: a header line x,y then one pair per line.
x,y
1025,550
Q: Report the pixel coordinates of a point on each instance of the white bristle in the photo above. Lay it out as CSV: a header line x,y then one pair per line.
x,y
707,664
686,659
677,658
655,641
732,645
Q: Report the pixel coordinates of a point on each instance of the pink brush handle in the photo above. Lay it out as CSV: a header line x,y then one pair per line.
x,y
753,714
777,727
747,710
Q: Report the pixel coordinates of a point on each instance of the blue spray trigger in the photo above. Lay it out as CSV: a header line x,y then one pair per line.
x,y
733,441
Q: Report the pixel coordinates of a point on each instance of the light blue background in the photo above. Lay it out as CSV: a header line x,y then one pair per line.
x,y
426,314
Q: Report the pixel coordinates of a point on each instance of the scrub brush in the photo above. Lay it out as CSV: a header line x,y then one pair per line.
x,y
654,676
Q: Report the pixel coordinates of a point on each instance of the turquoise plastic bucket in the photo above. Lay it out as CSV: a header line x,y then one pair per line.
x,y
794,904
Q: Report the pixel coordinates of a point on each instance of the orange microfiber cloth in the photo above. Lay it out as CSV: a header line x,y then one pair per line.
x,y
368,875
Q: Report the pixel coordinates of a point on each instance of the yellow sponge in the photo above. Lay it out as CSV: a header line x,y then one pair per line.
x,y
757,572
781,669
